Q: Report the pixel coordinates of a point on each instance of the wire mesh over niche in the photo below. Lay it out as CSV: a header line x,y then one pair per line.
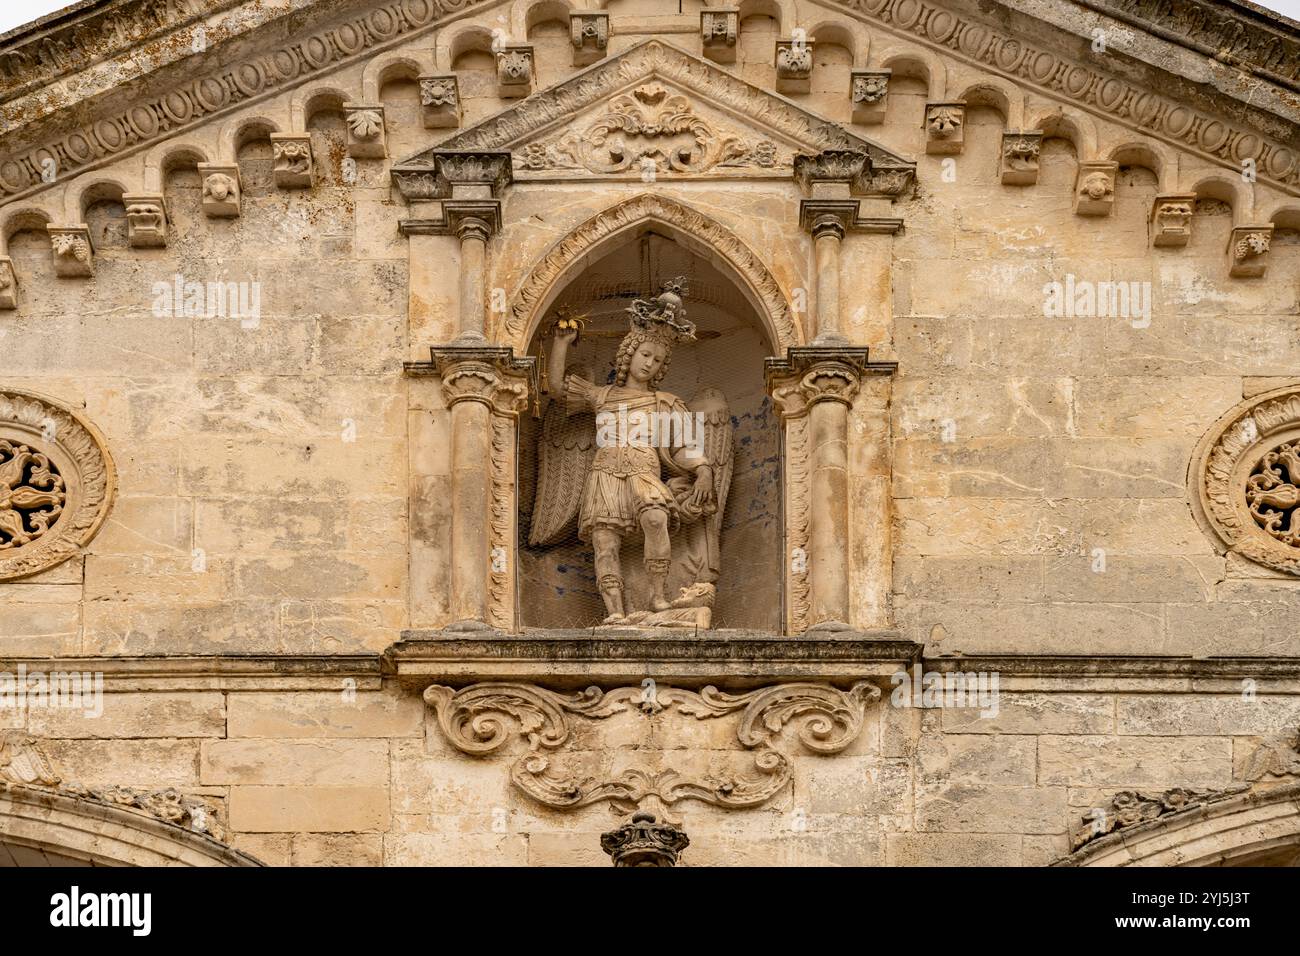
x,y
557,579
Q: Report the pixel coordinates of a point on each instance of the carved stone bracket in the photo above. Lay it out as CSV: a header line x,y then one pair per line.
x,y
719,29
1171,219
454,174
840,173
24,763
221,189
494,376
146,219
514,71
440,101
1245,479
869,92
794,65
945,127
481,719
8,284
291,153
366,133
1019,157
1248,251
74,256
1094,187
589,32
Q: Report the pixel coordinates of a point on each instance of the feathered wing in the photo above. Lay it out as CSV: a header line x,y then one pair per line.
x,y
565,450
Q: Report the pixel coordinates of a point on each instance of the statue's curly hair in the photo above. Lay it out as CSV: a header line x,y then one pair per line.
x,y
631,342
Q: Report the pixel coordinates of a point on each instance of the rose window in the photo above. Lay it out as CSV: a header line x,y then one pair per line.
x,y
1273,494
31,494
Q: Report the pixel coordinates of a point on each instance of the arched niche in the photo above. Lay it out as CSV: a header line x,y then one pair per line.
x,y
557,581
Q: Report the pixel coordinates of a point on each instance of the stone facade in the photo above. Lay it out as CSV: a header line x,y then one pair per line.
x,y
1002,316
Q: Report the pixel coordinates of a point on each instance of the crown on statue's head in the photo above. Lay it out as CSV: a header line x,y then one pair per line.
x,y
665,317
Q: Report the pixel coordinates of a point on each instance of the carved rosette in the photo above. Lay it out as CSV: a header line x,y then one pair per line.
x,y
440,101
1020,153
221,189
719,28
869,91
945,128
292,160
24,763
589,33
480,719
366,133
56,483
1171,219
1245,480
1248,251
1094,187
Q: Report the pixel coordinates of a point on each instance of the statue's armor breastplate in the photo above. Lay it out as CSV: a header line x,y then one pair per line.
x,y
632,450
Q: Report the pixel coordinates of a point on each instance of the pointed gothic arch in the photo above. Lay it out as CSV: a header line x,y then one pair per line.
x,y
696,230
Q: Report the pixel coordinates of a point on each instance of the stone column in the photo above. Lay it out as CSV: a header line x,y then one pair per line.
x,y
473,232
480,387
828,232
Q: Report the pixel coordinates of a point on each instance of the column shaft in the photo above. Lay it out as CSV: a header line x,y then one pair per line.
x,y
471,490
829,491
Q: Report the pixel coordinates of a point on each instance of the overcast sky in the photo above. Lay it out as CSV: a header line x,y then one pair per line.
x,y
17,12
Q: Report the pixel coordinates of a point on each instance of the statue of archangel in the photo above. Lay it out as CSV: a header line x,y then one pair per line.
x,y
628,459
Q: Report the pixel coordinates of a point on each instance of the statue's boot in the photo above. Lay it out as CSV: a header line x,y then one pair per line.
x,y
611,592
656,570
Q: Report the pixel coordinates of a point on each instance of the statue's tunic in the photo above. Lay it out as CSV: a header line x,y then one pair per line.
x,y
625,477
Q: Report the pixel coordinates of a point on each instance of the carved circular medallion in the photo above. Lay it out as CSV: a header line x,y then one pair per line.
x,y
1245,479
56,483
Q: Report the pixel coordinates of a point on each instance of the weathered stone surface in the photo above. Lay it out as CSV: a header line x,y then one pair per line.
x,y
1190,761
326,809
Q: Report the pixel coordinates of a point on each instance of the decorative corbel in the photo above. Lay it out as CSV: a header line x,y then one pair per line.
x,y
291,153
72,250
1171,219
1094,187
1019,158
945,127
514,71
440,101
221,189
146,219
794,64
589,32
366,133
869,90
719,29
8,284
1248,251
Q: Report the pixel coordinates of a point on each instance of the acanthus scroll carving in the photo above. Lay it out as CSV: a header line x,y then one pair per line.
x,y
481,719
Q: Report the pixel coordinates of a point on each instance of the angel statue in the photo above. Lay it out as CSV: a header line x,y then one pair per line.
x,y
628,459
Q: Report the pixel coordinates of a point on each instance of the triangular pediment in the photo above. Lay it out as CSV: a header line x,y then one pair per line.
x,y
656,107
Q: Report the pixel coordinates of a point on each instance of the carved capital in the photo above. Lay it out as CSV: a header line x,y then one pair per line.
x,y
813,374
1248,251
72,251
514,71
440,101
1094,187
1171,219
945,127
869,91
719,28
367,138
1019,158
589,33
221,189
8,284
146,219
456,174
828,217
840,173
291,154
771,725
492,376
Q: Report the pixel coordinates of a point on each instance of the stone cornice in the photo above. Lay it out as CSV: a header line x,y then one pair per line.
x,y
1186,114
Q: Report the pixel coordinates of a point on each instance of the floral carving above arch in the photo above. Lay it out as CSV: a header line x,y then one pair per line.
x,y
56,483
547,278
1245,479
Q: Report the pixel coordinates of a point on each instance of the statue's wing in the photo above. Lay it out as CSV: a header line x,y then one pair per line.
x,y
565,451
719,442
